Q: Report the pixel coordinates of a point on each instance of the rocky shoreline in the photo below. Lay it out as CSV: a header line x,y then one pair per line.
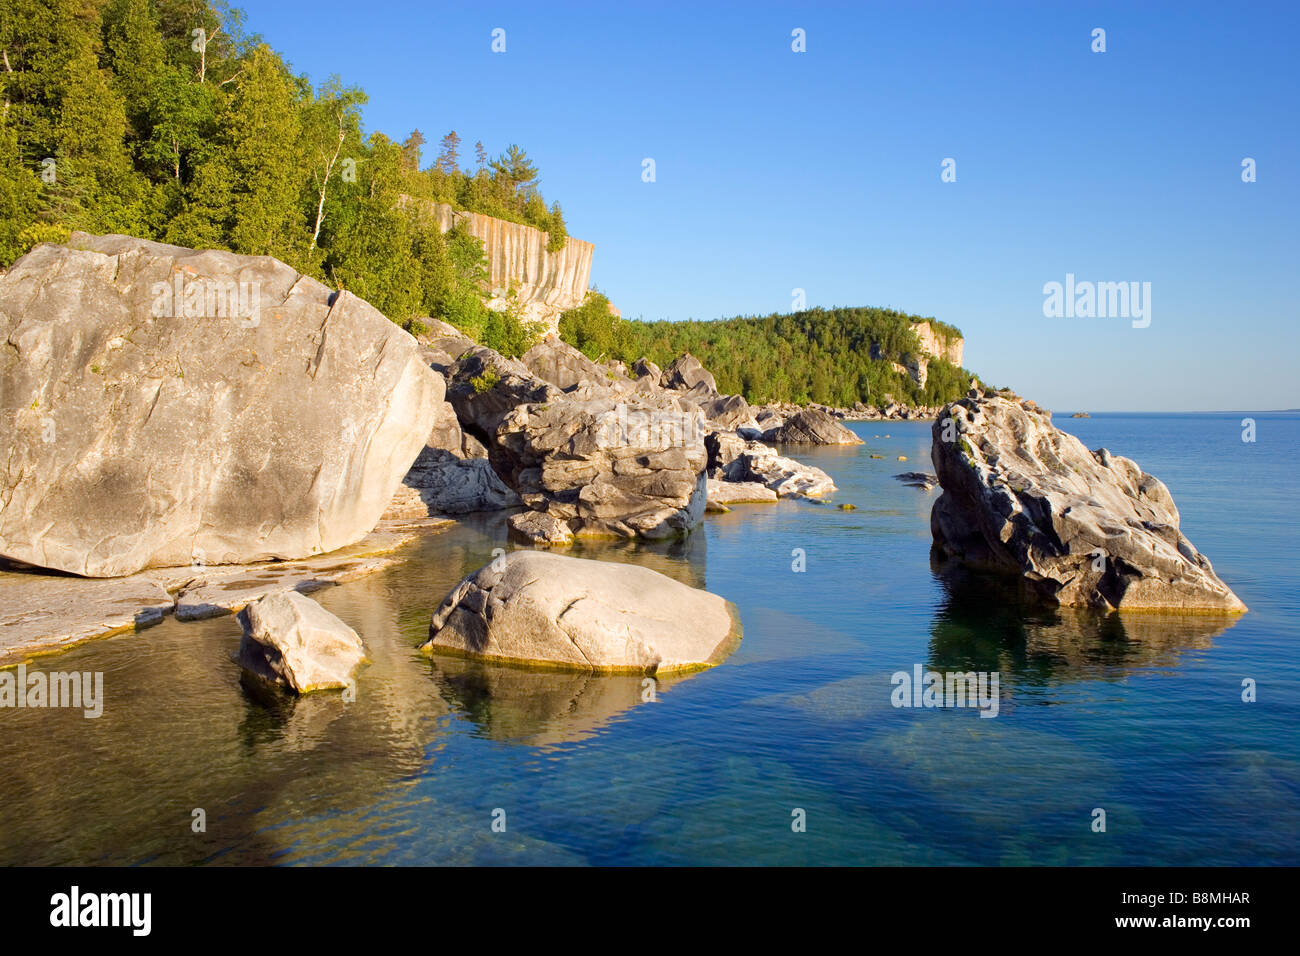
x,y
168,463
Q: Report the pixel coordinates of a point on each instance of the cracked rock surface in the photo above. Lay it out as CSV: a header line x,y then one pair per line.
x,y
254,416
1083,528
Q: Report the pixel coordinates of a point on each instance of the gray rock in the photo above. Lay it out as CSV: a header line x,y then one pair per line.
x,y
563,366
787,477
811,426
597,461
723,447
444,484
446,433
722,494
918,479
292,641
540,528
142,429
605,466
644,368
443,343
1083,528
535,607
727,411
686,373
483,387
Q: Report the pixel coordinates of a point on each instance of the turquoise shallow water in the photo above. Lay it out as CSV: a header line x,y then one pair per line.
x,y
1141,717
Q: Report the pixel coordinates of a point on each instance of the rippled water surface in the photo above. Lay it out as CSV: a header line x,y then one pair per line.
x,y
1142,716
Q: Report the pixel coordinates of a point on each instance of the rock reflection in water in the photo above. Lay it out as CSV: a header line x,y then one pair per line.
x,y
540,708
986,622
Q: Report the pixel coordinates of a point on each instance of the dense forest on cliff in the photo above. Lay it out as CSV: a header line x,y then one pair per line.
x,y
832,356
164,119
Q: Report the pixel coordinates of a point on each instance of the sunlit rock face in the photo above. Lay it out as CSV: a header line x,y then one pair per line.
x,y
599,460
164,406
544,283
536,607
1083,528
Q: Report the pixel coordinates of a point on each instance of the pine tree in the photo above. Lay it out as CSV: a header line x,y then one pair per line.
x,y
449,158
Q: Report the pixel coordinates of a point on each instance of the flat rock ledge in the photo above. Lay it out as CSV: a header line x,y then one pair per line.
x,y
291,641
723,494
1082,528
43,613
539,609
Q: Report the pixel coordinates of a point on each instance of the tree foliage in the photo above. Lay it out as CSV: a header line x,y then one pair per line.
x,y
164,119
831,356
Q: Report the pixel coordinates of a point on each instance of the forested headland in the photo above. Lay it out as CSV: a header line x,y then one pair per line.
x,y
831,356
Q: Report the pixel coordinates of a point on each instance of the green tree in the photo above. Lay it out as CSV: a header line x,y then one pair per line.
x,y
262,129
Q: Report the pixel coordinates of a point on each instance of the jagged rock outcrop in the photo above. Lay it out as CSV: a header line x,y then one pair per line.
x,y
536,607
555,361
544,284
603,466
686,373
811,426
483,387
1083,528
292,641
165,406
644,368
728,411
598,458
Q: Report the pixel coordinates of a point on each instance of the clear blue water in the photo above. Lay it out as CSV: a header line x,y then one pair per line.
x,y
1142,717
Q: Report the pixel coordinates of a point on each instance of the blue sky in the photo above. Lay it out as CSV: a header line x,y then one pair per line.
x,y
821,170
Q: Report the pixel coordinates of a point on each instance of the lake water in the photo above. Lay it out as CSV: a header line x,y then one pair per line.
x,y
1142,717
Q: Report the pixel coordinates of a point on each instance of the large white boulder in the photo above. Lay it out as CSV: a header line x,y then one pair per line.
x,y
161,406
541,608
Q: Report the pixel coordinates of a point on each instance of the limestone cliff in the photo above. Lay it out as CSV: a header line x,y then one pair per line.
x,y
933,346
544,283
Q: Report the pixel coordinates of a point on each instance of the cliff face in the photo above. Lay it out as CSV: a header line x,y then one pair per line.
x,y
544,283
933,346
949,351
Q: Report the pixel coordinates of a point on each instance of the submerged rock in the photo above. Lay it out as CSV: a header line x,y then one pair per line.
x,y
534,607
161,406
918,479
1084,528
292,641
